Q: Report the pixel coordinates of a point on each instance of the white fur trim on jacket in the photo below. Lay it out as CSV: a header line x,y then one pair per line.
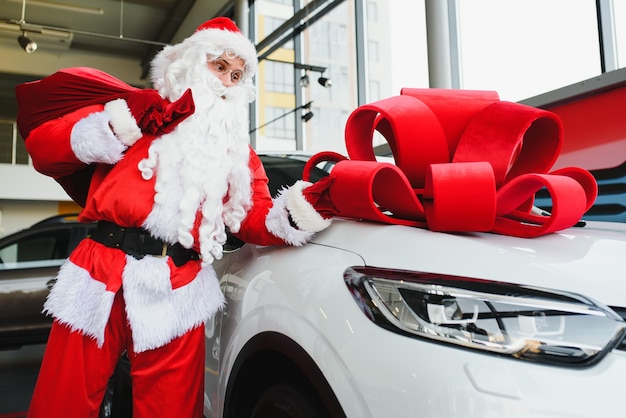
x,y
122,122
277,222
302,212
157,313
81,303
93,141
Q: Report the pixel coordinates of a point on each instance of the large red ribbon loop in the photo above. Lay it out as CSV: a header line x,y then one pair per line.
x,y
515,139
568,205
320,157
411,128
465,161
585,179
382,193
460,197
454,112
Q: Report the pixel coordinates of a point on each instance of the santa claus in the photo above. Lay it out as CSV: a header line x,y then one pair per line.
x,y
169,172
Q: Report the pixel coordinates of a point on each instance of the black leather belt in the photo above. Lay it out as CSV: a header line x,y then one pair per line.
x,y
138,242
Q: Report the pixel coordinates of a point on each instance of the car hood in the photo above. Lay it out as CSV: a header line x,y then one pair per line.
x,y
588,260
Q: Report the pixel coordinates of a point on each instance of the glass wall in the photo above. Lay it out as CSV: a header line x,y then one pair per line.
x,y
12,147
398,28
331,43
522,48
275,124
519,48
292,76
619,14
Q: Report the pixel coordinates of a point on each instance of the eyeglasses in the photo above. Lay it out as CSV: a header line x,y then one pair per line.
x,y
222,66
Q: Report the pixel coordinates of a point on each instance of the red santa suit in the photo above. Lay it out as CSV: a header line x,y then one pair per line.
x,y
181,188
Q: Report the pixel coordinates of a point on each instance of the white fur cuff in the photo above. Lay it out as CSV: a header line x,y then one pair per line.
x,y
277,223
302,212
80,302
123,122
92,140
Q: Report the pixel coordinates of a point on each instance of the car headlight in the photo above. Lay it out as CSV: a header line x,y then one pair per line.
x,y
522,322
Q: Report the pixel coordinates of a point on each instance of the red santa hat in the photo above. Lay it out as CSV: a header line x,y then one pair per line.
x,y
215,36
224,34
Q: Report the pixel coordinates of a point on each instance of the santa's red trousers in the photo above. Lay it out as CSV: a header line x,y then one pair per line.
x,y
166,382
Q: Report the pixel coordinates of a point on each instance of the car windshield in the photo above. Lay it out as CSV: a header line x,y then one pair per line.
x,y
39,250
284,170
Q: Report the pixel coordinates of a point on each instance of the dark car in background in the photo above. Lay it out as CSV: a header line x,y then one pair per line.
x,y
29,261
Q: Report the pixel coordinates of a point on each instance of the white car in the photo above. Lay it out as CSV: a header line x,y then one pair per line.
x,y
380,321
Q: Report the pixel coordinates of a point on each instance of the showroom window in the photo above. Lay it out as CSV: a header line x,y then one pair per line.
x,y
522,48
283,127
619,14
374,87
278,77
519,48
271,23
328,46
48,248
372,12
12,147
372,50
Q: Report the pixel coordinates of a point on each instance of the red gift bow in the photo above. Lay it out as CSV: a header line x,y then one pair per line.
x,y
465,161
155,115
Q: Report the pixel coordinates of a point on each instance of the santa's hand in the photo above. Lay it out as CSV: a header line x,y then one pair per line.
x,y
310,206
93,140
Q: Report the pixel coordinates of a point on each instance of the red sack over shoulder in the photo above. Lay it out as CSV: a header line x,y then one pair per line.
x,y
74,88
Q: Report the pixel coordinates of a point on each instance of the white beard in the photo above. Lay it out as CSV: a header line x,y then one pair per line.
x,y
202,166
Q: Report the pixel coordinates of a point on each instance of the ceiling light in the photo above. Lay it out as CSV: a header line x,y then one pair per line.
x,y
325,82
305,118
27,44
304,81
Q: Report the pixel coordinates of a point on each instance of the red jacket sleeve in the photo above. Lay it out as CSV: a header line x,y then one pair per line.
x,y
253,228
49,144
